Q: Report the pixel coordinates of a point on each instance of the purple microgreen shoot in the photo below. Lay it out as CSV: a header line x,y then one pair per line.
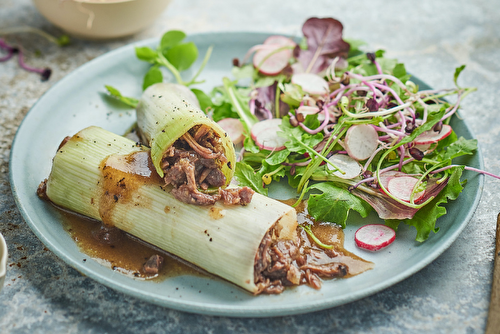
x,y
44,72
472,169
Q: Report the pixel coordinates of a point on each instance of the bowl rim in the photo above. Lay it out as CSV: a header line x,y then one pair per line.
x,y
3,254
101,2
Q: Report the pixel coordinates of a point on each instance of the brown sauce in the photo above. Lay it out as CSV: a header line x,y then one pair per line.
x,y
328,234
122,176
125,253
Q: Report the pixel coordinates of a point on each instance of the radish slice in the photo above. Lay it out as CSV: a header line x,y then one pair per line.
x,y
311,83
346,164
387,176
361,141
265,135
431,136
310,110
276,62
233,128
280,40
402,186
374,237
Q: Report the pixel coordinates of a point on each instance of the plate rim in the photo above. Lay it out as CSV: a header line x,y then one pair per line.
x,y
201,307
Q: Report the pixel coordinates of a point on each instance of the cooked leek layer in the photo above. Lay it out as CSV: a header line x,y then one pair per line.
x,y
105,176
167,111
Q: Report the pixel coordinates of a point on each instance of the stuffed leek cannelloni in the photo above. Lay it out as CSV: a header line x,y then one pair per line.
x,y
110,178
192,153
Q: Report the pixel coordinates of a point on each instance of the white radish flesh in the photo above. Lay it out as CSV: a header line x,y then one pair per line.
x,y
310,110
346,164
311,83
268,60
361,141
387,176
265,135
431,136
280,40
233,128
402,187
374,237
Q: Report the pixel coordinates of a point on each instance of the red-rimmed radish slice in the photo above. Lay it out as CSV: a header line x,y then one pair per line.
x,y
280,40
387,176
268,60
374,237
431,136
402,186
311,83
310,110
273,64
233,128
265,135
361,141
346,164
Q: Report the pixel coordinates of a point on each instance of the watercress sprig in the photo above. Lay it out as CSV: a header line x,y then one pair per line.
x,y
172,53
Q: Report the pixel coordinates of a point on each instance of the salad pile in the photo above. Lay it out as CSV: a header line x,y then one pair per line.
x,y
349,129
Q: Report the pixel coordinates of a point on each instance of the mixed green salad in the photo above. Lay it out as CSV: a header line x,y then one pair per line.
x,y
348,128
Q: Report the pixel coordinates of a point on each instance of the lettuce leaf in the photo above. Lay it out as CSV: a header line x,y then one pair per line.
x,y
247,177
334,204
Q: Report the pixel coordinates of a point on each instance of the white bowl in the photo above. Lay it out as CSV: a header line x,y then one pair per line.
x,y
3,260
101,19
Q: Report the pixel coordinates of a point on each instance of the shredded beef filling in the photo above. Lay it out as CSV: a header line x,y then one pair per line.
x,y
153,265
193,163
282,263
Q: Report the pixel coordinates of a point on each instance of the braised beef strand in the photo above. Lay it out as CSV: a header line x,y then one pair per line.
x,y
282,263
193,163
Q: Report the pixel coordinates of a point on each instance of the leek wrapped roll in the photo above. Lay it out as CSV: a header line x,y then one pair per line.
x,y
169,120
110,178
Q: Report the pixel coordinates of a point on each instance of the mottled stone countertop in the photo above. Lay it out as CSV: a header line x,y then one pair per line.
x,y
450,295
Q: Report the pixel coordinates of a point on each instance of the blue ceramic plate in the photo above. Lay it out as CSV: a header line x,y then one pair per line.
x,y
77,101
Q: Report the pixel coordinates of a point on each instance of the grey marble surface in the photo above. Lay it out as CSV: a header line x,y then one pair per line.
x,y
451,295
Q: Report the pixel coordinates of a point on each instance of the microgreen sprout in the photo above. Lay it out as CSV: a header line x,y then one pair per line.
x,y
44,73
267,178
309,232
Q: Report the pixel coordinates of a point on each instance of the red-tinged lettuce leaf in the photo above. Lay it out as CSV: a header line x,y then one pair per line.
x,y
267,99
334,204
425,219
388,209
324,41
247,177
